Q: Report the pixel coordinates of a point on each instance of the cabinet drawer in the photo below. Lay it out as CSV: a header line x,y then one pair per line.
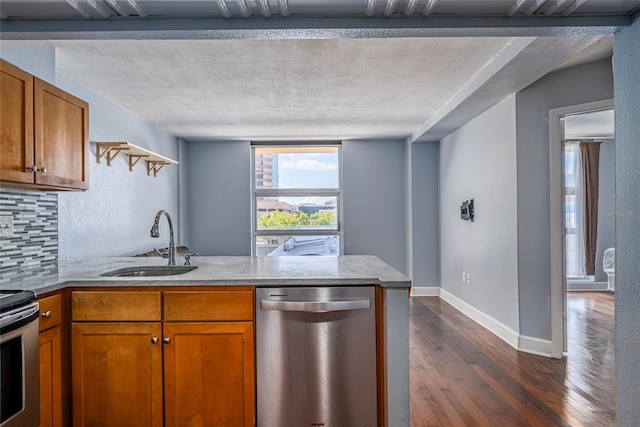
x,y
208,306
50,311
99,306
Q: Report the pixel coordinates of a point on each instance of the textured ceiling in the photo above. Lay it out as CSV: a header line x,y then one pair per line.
x,y
279,89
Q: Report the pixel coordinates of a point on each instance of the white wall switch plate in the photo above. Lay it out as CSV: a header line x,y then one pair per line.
x,y
464,277
6,225
468,279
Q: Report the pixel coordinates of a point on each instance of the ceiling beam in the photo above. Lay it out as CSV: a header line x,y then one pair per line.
x,y
284,7
554,6
516,6
429,7
576,4
303,28
81,10
141,13
371,7
519,64
224,9
390,7
113,4
244,9
99,8
263,6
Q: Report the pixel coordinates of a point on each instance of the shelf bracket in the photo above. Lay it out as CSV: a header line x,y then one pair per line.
x,y
109,151
155,167
134,159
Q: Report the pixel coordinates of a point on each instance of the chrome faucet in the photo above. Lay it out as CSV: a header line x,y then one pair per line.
x,y
156,233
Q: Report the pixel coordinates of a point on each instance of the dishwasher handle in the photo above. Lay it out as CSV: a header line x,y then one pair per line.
x,y
315,306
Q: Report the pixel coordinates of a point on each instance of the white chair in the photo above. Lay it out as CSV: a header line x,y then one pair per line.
x,y
609,267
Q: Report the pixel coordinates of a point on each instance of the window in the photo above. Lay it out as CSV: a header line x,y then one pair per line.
x,y
296,200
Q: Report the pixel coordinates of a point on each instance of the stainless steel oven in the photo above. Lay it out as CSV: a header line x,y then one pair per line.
x,y
19,364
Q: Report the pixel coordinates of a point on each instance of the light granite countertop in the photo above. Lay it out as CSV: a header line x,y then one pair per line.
x,y
347,270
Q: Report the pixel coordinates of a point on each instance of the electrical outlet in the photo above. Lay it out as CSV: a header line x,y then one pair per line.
x,y
468,279
6,225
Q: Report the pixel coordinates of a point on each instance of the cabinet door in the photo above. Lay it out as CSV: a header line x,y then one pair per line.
x,y
50,378
116,374
61,137
16,124
209,374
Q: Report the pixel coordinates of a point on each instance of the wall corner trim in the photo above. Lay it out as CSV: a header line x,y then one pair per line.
x,y
535,346
497,328
425,291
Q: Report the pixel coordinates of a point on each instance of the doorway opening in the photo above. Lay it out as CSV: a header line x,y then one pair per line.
x,y
582,206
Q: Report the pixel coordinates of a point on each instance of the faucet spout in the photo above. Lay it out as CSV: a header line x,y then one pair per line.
x,y
155,232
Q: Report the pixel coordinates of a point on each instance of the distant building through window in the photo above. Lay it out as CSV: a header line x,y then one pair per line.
x,y
296,200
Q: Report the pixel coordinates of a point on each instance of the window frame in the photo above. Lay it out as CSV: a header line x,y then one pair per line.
x,y
295,192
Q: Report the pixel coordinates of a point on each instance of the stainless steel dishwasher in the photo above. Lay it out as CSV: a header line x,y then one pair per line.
x,y
316,357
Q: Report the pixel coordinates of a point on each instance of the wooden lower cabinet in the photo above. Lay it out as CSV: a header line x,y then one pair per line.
x,y
117,374
209,374
135,370
51,377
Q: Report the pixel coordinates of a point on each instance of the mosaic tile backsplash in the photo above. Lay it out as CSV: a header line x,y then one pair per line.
x,y
35,221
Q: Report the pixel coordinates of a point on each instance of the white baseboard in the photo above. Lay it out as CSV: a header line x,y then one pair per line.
x,y
522,343
587,286
503,332
535,346
425,291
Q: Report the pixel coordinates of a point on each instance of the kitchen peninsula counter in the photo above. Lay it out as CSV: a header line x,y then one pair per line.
x,y
346,270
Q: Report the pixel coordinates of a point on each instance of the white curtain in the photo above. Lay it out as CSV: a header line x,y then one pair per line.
x,y
575,254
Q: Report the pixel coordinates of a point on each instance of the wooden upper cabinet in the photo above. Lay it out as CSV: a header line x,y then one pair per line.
x,y
43,128
16,124
61,137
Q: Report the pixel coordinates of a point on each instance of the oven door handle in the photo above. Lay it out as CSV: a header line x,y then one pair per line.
x,y
19,317
315,306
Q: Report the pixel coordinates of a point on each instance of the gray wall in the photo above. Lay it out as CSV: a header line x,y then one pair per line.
x,y
219,197
425,182
627,105
374,200
115,215
606,205
478,162
577,85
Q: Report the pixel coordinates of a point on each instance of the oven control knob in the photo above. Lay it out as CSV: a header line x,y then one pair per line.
x,y
154,340
47,314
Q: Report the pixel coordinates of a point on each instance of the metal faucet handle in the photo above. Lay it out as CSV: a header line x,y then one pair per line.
x,y
187,258
162,254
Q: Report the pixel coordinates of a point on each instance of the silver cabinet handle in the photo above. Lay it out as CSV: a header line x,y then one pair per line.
x,y
33,168
154,340
47,314
42,170
315,306
166,340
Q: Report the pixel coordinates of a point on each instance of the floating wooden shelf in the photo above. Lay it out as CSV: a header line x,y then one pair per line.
x,y
111,150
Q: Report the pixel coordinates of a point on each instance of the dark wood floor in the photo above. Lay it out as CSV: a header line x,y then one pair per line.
x,y
462,375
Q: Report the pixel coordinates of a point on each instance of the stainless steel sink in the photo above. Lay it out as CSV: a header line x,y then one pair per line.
x,y
146,271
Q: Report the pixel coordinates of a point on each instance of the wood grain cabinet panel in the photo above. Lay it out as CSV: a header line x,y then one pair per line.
x,y
44,128
51,377
61,137
117,374
209,374
51,361
209,306
99,306
16,124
